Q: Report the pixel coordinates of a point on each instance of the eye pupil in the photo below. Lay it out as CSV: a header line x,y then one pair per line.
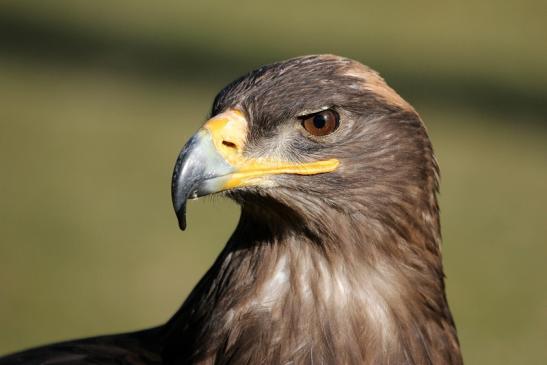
x,y
319,121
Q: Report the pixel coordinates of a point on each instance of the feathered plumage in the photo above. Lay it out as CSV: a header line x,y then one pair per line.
x,y
336,257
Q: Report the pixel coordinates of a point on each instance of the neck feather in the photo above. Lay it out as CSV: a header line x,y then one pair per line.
x,y
366,294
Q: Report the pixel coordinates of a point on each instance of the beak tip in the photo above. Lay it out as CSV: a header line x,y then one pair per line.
x,y
181,216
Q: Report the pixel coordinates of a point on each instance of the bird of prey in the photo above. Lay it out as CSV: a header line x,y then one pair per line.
x,y
336,257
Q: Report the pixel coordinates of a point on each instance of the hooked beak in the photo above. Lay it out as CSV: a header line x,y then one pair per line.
x,y
212,161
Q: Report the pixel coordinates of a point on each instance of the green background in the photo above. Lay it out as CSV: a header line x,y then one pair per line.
x,y
97,98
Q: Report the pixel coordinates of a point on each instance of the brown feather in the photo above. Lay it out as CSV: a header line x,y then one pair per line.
x,y
311,276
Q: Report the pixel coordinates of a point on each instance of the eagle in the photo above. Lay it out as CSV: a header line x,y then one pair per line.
x,y
336,258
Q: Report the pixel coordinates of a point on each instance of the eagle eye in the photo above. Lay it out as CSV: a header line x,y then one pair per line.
x,y
322,123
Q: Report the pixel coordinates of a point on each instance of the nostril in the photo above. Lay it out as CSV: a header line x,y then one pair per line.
x,y
229,144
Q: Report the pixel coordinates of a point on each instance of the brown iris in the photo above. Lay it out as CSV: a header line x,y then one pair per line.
x,y
322,123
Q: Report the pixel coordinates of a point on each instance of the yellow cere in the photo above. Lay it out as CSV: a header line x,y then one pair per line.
x,y
229,131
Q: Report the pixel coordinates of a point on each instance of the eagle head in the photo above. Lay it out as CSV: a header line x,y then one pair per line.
x,y
315,133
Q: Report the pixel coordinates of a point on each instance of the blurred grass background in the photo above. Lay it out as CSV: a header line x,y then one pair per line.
x,y
97,98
